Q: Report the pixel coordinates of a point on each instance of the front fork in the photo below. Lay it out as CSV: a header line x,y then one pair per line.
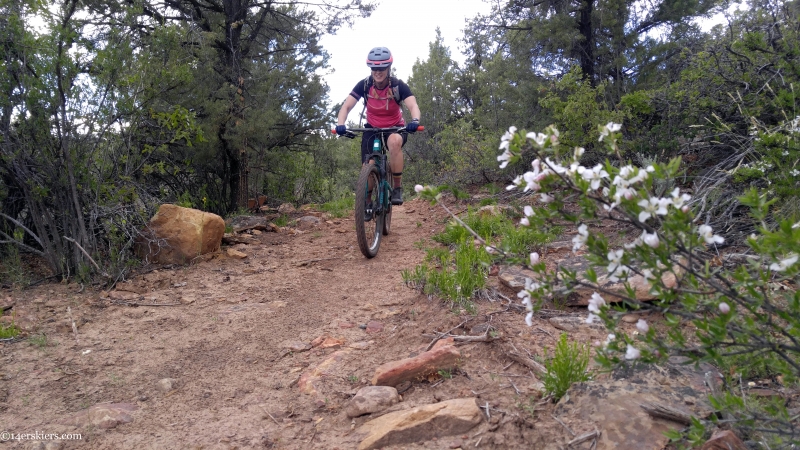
x,y
384,188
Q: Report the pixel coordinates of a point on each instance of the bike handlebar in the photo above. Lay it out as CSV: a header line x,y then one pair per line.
x,y
390,129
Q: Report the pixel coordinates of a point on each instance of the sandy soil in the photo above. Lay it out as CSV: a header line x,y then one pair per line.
x,y
222,340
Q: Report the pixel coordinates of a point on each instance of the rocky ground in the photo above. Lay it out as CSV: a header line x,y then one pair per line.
x,y
266,344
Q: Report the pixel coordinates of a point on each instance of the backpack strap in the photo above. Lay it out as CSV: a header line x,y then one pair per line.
x,y
393,82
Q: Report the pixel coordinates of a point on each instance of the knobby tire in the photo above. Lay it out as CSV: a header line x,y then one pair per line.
x,y
369,232
387,218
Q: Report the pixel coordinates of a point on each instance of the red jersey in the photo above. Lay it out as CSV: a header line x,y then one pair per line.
x,y
383,111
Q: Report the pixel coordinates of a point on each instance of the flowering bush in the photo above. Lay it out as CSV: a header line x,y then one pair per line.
x,y
712,312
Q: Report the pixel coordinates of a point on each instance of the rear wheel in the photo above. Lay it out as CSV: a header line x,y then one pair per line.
x,y
368,224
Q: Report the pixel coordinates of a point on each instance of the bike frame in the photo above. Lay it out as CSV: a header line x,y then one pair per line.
x,y
379,157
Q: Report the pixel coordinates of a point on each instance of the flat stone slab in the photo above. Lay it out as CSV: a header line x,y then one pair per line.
x,y
410,369
422,423
614,406
104,415
309,382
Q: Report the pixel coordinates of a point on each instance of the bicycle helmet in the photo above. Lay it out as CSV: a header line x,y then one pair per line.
x,y
379,57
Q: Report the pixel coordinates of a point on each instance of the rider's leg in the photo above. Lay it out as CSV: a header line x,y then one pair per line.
x,y
395,143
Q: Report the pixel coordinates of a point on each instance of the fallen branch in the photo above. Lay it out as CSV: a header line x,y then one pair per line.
x,y
563,425
121,302
457,338
667,412
527,362
74,327
102,272
441,335
584,437
311,261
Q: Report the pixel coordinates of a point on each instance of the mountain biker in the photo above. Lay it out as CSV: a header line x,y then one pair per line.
x,y
383,95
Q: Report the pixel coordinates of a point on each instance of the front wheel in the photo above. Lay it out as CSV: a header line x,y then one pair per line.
x,y
387,216
368,224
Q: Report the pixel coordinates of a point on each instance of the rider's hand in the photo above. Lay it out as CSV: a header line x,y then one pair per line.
x,y
412,126
341,130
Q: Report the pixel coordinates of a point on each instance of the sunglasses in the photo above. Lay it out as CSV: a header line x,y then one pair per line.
x,y
380,69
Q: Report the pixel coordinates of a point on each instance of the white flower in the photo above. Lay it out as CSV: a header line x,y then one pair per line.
x,y
554,166
724,308
707,233
615,260
610,127
783,264
648,274
579,151
525,222
580,238
531,285
507,137
652,207
538,138
632,353
642,326
529,319
594,175
678,199
517,181
528,210
505,158
797,225
650,239
531,181
546,198
794,172
609,338
590,318
490,250
534,258
418,188
596,302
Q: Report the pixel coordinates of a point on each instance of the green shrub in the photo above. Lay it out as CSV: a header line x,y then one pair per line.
x,y
340,207
568,365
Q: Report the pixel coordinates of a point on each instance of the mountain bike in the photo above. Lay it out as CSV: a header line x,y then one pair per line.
x,y
373,211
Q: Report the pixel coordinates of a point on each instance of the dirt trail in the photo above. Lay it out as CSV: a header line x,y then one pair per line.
x,y
234,384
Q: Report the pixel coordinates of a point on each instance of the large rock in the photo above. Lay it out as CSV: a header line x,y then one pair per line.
x,y
409,369
420,424
370,399
176,235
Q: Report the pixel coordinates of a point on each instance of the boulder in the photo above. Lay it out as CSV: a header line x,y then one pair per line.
x,y
370,399
176,235
423,423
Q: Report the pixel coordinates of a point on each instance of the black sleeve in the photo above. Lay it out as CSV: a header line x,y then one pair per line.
x,y
405,91
358,90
